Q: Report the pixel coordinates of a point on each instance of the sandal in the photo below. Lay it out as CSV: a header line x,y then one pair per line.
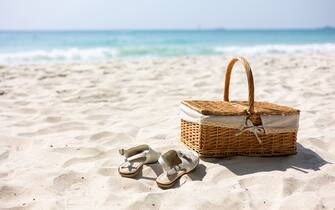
x,y
135,158
175,165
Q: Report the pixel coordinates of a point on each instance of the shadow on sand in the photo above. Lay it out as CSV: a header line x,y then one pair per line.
x,y
197,175
304,160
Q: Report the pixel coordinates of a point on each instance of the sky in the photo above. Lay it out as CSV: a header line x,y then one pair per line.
x,y
164,14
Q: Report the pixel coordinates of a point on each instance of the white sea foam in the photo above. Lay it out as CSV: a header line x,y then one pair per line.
x,y
59,55
103,54
276,49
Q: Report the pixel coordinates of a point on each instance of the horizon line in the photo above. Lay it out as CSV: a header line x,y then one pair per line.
x,y
170,29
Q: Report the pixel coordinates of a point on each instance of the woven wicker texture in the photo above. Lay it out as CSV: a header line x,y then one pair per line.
x,y
224,108
212,141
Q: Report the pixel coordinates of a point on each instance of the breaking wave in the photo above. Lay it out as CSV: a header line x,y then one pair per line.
x,y
104,54
59,55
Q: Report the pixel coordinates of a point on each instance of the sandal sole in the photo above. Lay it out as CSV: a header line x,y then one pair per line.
x,y
131,175
170,185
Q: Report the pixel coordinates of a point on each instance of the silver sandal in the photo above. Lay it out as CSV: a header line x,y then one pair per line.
x,y
135,158
175,165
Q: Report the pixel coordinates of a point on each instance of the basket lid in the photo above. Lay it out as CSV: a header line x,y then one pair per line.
x,y
225,108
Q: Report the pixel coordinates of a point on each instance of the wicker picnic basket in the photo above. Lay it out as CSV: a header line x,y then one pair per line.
x,y
228,128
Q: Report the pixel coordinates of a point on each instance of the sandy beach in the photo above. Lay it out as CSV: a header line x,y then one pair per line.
x,y
63,124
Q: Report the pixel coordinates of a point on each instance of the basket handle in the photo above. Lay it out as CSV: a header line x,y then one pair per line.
x,y
250,81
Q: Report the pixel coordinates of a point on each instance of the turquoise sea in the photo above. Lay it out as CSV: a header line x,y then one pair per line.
x,y
78,46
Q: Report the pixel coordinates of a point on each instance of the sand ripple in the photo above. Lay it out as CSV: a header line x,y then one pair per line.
x,y
62,125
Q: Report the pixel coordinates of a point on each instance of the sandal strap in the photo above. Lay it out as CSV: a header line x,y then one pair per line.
x,y
171,162
134,150
137,156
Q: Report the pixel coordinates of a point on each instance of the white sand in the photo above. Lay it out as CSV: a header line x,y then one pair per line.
x,y
62,125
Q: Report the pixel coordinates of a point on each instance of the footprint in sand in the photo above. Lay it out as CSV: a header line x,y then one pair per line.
x,y
10,193
66,180
290,185
81,155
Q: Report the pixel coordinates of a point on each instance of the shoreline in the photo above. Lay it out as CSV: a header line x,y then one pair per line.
x,y
162,59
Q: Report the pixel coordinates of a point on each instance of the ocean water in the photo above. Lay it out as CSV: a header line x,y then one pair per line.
x,y
82,46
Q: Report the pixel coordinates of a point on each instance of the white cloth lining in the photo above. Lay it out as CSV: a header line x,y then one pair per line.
x,y
270,123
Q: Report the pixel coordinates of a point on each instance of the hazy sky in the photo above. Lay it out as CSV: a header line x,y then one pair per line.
x,y
165,14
